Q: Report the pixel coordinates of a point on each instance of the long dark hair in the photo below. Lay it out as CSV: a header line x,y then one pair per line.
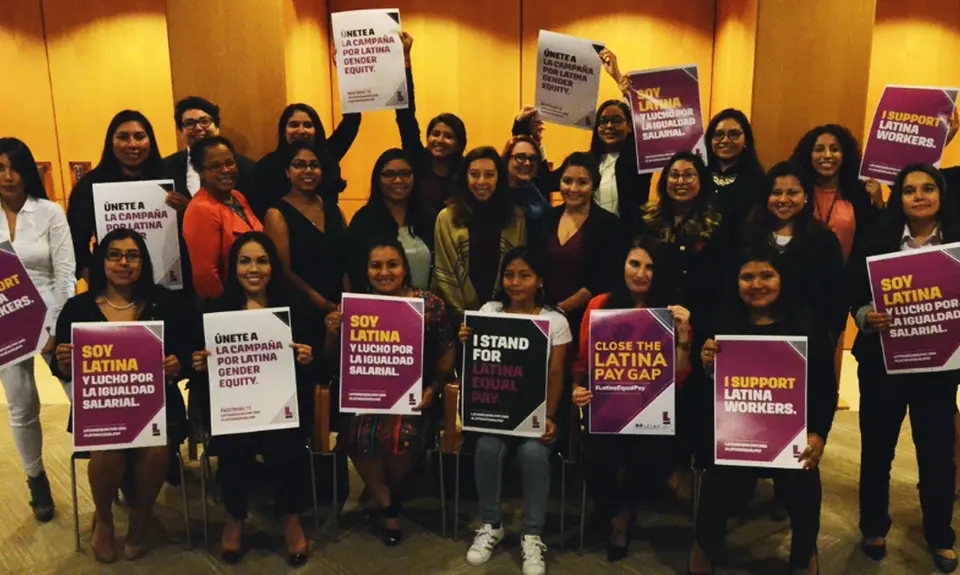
x,y
415,208
760,223
109,166
234,297
499,206
748,162
459,130
333,180
620,295
585,161
596,144
386,242
894,210
850,187
532,258
144,287
658,214
22,162
327,165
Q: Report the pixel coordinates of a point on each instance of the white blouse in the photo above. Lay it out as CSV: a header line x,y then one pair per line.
x,y
607,195
42,242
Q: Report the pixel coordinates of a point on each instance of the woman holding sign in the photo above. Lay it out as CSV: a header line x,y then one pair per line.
x,y
300,123
918,215
474,233
384,448
38,231
251,285
438,162
761,310
130,153
394,208
122,290
309,230
521,293
605,455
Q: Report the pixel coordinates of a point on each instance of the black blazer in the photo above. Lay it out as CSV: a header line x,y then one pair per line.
x,y
884,238
603,242
633,189
175,168
374,221
952,175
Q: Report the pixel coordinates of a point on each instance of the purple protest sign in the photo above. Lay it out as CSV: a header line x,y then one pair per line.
x,y
118,385
632,372
666,115
909,126
920,289
760,401
23,313
381,354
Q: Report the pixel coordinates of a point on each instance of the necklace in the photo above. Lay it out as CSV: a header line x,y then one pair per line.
x,y
119,307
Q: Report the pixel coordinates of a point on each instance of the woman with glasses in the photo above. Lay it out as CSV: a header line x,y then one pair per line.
x,y
122,289
129,154
393,209
522,155
622,190
217,215
732,159
309,230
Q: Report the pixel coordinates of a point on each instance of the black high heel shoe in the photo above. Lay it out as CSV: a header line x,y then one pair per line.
x,y
617,552
392,537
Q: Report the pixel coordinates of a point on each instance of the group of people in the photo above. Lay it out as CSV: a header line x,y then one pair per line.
x,y
725,246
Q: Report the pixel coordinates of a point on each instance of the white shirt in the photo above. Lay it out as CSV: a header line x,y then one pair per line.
x,y
606,196
559,327
42,242
193,178
908,242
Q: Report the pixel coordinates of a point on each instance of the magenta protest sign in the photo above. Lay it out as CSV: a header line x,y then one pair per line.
x,y
760,401
381,354
23,313
909,126
505,367
920,289
118,385
632,372
666,115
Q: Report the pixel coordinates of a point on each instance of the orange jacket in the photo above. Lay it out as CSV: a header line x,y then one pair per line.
x,y
209,229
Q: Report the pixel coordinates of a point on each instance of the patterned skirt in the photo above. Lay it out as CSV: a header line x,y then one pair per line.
x,y
368,435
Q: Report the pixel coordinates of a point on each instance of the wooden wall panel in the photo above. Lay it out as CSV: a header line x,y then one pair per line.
x,y
466,60
307,55
734,53
812,67
232,53
915,42
26,106
648,34
107,56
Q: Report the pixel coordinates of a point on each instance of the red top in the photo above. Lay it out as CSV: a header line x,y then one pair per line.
x,y
209,228
582,364
837,213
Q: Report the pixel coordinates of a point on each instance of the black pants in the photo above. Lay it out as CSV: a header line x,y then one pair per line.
x,y
883,404
801,492
645,462
283,457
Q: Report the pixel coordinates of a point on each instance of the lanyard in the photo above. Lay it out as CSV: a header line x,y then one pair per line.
x,y
833,204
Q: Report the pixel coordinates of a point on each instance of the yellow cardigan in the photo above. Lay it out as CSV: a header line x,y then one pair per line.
x,y
451,265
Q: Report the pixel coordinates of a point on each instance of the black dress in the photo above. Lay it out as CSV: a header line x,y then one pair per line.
x,y
319,258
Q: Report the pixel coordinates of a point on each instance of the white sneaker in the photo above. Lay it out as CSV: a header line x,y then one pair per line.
x,y
482,549
533,550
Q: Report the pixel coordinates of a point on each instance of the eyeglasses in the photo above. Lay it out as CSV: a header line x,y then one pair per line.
x,y
204,122
524,158
115,256
684,177
402,175
219,166
729,134
301,165
612,120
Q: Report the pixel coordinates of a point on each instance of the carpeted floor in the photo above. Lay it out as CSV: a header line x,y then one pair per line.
x,y
755,547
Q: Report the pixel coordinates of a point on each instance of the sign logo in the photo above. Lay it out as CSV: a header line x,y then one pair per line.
x,y
666,418
536,422
411,400
155,430
287,412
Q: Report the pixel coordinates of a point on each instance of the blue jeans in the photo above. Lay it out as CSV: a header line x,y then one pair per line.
x,y
534,459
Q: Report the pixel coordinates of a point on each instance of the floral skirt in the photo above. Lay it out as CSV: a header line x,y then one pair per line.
x,y
368,435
